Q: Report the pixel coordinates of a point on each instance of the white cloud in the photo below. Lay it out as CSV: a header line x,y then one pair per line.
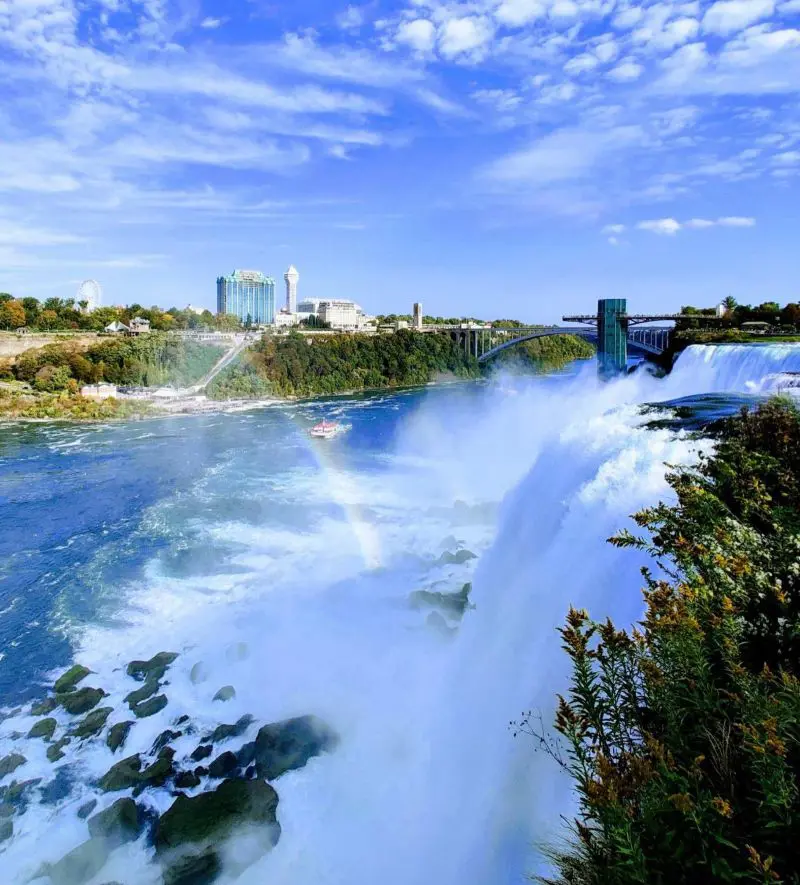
x,y
728,16
580,64
351,19
564,9
628,17
15,234
464,36
520,12
606,51
614,229
211,24
791,7
787,158
669,226
419,34
663,226
504,101
565,155
626,71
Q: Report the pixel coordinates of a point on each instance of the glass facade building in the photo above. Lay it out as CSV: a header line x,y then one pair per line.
x,y
247,293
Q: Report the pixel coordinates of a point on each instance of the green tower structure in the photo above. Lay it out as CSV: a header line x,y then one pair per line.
x,y
612,336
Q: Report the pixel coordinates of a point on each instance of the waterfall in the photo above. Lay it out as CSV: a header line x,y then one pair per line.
x,y
743,368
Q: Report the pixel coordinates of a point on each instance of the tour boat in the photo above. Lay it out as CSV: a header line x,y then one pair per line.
x,y
325,429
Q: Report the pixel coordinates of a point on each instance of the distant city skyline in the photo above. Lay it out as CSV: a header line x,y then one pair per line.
x,y
522,156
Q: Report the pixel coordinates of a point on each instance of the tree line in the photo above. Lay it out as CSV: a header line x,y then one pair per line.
x,y
65,314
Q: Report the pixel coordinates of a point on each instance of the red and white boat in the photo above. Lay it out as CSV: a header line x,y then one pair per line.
x,y
326,430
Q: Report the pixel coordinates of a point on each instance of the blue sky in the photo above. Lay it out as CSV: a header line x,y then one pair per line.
x,y
489,157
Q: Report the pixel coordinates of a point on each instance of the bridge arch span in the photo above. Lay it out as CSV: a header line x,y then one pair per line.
x,y
588,334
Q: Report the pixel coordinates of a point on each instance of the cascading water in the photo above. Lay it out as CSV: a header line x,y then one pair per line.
x,y
743,368
310,562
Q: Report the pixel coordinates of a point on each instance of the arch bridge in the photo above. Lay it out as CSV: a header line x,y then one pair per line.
x,y
612,330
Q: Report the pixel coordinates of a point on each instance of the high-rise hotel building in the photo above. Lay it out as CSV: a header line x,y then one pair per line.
x,y
247,293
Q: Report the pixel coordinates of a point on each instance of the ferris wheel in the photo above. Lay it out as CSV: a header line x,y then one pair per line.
x,y
90,292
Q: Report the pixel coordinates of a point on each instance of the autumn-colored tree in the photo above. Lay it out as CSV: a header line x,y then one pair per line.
x,y
12,314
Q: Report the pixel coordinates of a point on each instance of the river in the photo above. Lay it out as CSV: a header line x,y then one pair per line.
x,y
285,564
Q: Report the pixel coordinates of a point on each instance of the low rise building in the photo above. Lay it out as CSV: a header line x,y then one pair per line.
x,y
346,316
285,319
139,326
116,327
99,391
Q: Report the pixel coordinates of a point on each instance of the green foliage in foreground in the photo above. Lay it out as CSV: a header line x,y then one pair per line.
x,y
544,354
147,361
294,366
16,405
683,736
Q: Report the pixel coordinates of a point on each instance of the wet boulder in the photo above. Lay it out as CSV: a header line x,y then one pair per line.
x,y
82,700
199,673
117,735
164,739
142,694
226,693
6,830
55,751
187,780
154,669
149,708
44,708
79,865
288,745
225,732
454,604
188,835
71,678
457,558
93,724
11,763
87,808
224,765
202,752
44,728
121,822
129,773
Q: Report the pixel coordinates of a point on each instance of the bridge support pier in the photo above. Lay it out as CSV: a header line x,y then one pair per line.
x,y
612,337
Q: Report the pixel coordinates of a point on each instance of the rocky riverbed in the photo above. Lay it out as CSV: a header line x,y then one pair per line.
x,y
185,804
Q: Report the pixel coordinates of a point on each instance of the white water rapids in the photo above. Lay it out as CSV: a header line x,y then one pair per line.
x,y
428,784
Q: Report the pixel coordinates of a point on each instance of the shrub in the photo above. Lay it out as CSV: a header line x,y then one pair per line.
x,y
683,735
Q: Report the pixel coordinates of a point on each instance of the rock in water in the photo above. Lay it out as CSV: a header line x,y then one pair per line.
x,y
80,865
164,739
71,678
78,702
142,694
191,830
187,780
87,808
226,693
150,708
128,773
199,673
202,752
117,735
154,669
224,732
11,763
6,830
54,751
44,708
93,723
223,765
120,823
285,746
202,869
45,728
458,558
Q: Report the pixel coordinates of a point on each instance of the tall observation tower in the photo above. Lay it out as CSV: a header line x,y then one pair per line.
x,y
291,276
